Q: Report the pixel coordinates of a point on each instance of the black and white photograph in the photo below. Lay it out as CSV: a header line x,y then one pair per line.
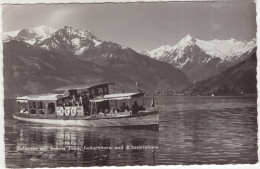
x,y
102,84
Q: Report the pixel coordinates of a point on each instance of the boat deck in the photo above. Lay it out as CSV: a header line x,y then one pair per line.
x,y
143,118
99,116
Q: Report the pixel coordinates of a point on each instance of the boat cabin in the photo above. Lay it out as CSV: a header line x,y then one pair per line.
x,y
38,105
90,91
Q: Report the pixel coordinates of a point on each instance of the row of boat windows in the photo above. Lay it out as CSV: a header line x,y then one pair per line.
x,y
91,92
42,108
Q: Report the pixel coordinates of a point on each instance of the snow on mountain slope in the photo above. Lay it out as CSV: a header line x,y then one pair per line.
x,y
223,49
74,40
67,40
9,35
31,69
12,33
29,35
35,33
80,42
200,59
226,49
159,52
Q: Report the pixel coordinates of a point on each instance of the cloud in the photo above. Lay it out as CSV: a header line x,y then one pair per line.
x,y
215,27
60,16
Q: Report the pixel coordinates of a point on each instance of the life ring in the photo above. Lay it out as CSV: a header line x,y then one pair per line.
x,y
61,112
73,112
67,111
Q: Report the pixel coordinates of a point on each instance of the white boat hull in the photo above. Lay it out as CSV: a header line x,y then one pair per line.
x,y
148,118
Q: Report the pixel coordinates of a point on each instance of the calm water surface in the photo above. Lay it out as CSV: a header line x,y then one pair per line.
x,y
192,130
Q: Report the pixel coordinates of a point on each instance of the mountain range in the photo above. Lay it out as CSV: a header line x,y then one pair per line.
x,y
37,60
200,59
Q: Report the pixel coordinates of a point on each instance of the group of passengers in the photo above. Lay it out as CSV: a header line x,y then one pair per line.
x,y
123,108
135,108
72,101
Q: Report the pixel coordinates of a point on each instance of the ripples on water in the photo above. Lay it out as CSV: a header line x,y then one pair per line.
x,y
193,130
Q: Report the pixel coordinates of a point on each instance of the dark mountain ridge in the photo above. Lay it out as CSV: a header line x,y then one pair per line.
x,y
239,79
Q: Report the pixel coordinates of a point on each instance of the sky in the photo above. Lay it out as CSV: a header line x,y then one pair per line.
x,y
141,26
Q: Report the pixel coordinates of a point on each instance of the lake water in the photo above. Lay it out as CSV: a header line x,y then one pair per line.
x,y
192,130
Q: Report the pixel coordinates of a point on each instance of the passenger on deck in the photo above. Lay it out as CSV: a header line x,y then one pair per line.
x,y
22,110
135,108
72,101
50,110
64,106
80,101
141,108
124,107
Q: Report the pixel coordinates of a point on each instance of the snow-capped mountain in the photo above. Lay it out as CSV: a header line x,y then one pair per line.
x,y
29,35
83,44
226,50
76,56
69,39
200,59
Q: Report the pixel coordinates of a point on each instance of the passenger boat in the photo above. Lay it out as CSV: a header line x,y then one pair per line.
x,y
86,105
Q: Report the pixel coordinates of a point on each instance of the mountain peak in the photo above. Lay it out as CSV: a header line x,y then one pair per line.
x,y
233,40
188,37
67,27
187,40
68,38
254,40
77,31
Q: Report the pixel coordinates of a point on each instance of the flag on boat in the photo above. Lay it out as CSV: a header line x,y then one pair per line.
x,y
137,85
152,103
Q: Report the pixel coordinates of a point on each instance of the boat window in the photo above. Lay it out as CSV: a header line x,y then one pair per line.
x,y
22,107
51,108
73,93
41,108
79,91
32,106
100,90
59,103
110,89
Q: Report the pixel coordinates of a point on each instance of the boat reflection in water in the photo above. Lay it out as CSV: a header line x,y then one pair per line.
x,y
80,146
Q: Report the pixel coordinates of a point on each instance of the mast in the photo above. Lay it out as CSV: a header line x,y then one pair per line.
x,y
114,88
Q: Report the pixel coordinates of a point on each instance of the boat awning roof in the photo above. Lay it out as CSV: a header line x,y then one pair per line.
x,y
86,86
119,96
42,97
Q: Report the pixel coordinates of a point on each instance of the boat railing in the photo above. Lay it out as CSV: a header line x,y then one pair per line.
x,y
120,113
